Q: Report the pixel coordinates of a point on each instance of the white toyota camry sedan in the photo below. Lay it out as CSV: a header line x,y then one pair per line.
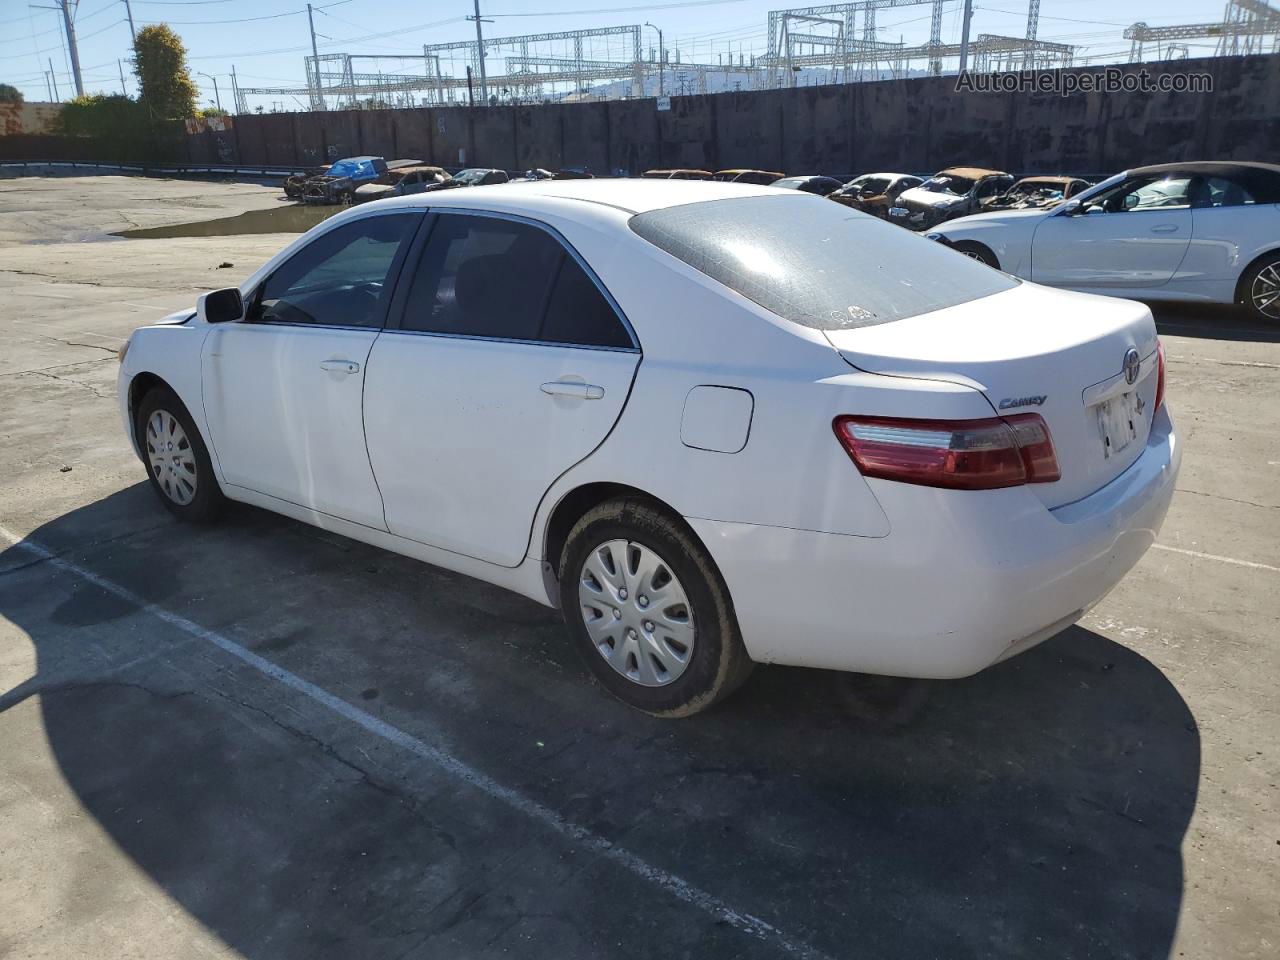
x,y
713,424
1206,232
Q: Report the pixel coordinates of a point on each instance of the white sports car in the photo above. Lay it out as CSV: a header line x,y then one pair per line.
x,y
714,424
1207,232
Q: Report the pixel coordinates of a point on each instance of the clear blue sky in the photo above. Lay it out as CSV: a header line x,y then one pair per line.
x,y
267,39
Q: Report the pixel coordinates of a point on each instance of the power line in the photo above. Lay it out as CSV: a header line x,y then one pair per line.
x,y
648,6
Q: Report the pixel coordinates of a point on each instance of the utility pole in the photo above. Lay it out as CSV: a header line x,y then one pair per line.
x,y
471,99
317,99
484,81
235,93
662,57
64,6
123,88
48,88
129,13
964,35
217,97
57,97
71,44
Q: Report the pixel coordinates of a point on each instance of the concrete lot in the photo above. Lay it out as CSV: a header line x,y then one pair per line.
x,y
261,740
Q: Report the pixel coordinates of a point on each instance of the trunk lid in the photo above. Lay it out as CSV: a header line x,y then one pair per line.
x,y
1034,350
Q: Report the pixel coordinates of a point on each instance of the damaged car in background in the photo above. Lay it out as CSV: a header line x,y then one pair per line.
x,y
761,178
474,177
402,182
1033,193
954,192
874,193
294,184
339,183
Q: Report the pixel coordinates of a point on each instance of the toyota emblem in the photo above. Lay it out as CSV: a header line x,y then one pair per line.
x,y
1132,365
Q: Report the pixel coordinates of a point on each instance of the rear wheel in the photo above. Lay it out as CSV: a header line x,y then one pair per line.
x,y
177,460
649,611
1260,289
976,251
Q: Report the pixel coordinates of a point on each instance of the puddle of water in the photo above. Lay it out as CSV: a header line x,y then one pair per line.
x,y
294,218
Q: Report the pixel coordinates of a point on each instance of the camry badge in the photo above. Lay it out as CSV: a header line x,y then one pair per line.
x,y
1010,403
1131,366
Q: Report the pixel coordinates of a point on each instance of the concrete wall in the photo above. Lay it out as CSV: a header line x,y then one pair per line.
x,y
917,125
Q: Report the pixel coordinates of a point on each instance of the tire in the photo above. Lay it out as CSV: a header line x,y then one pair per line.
x,y
1260,289
176,458
650,550
976,251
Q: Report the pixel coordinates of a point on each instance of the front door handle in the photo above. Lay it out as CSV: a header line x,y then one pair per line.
x,y
573,388
1165,228
340,366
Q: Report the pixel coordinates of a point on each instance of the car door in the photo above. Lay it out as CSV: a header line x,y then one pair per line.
x,y
282,389
508,363
1133,235
1226,226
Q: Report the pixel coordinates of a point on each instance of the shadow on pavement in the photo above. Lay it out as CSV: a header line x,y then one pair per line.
x,y
1211,322
1037,809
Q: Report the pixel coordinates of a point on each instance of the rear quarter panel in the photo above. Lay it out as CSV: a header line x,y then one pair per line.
x,y
694,332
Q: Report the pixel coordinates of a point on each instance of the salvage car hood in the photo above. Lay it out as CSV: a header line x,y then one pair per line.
x,y
917,197
995,218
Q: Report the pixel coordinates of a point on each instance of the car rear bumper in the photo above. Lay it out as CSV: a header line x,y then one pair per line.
x,y
963,580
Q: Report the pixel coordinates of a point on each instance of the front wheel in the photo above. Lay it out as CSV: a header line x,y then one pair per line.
x,y
976,251
177,460
649,611
1260,289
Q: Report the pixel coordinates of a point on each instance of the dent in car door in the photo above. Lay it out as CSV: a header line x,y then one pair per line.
x,y
510,365
282,390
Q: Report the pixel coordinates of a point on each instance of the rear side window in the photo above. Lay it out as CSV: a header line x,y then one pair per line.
x,y
502,279
817,263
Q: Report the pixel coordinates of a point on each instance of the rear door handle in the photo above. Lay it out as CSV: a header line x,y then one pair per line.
x,y
340,366
1165,228
572,388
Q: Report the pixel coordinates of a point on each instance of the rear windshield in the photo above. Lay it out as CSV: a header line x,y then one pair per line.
x,y
818,263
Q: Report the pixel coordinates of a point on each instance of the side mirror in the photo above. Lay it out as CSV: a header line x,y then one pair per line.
x,y
221,306
1072,208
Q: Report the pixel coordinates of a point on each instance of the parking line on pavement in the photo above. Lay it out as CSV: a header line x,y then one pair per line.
x,y
673,884
1213,556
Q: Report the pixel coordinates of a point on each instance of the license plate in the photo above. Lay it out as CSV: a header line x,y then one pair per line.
x,y
1117,423
897,211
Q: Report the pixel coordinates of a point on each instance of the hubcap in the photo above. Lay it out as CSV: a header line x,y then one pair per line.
x,y
173,462
1266,291
636,612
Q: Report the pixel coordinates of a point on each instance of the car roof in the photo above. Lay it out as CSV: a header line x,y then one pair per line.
x,y
630,195
1050,179
1208,168
973,173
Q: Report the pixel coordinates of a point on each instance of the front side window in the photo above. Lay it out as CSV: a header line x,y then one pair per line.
x,y
816,263
340,278
1147,193
503,279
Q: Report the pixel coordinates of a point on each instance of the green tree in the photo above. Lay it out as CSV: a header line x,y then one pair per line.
x,y
119,123
9,94
160,61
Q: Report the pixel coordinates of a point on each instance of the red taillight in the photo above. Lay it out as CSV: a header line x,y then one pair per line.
x,y
1159,377
959,454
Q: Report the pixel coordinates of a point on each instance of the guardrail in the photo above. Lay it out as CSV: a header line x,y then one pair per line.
x,y
148,169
